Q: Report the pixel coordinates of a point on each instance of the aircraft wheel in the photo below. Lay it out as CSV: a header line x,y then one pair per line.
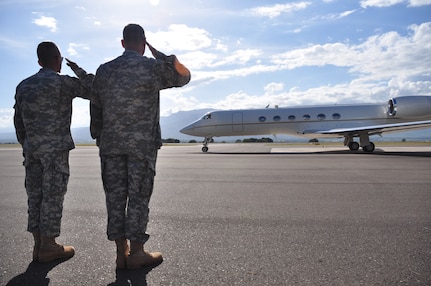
x,y
354,146
205,149
369,148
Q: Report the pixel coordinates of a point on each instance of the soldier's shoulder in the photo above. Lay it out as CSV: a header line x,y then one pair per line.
x,y
28,81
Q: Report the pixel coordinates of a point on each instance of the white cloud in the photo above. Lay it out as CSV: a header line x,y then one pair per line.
x,y
345,13
380,3
273,87
388,3
381,66
198,59
180,37
48,22
417,3
278,9
74,49
239,57
380,57
173,100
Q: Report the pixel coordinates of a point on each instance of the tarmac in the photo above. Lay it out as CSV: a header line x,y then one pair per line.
x,y
241,214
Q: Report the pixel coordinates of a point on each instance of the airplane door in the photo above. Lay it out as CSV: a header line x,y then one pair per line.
x,y
237,122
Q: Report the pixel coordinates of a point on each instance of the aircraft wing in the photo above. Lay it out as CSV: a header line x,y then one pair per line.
x,y
375,129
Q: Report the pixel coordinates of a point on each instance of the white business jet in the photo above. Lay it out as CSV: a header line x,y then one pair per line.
x,y
337,121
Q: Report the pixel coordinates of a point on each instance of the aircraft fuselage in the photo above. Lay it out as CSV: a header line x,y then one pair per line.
x,y
355,120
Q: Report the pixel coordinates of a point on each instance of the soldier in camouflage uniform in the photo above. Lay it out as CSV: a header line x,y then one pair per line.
x,y
43,109
125,121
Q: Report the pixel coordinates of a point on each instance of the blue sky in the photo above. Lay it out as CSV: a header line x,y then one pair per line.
x,y
242,54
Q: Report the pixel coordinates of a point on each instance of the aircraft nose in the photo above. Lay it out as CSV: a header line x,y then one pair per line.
x,y
188,130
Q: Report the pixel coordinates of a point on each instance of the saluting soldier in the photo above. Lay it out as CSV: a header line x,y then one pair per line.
x,y
43,110
125,121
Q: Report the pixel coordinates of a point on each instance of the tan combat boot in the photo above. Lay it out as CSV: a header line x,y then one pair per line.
x,y
36,247
50,250
139,258
123,250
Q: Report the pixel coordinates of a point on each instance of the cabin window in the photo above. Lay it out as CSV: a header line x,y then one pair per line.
x,y
321,116
291,117
262,119
306,117
276,118
336,116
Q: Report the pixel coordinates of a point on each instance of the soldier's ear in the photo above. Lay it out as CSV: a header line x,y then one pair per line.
x,y
122,43
40,63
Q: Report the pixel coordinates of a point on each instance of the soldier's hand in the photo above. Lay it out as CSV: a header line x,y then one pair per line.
x,y
158,55
72,65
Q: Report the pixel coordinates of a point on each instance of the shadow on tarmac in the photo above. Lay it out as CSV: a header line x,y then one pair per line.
x,y
132,277
35,274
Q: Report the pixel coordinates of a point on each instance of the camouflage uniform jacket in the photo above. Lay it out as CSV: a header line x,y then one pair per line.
x,y
125,104
43,109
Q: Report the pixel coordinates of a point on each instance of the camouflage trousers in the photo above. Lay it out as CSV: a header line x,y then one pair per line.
x,y
128,183
46,178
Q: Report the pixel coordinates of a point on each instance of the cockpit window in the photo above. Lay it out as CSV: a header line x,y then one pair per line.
x,y
207,116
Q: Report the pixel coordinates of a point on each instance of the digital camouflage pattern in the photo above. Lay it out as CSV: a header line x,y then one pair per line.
x,y
125,105
46,181
43,110
127,181
125,112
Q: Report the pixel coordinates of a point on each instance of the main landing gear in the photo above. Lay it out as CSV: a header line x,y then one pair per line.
x,y
354,146
365,142
207,140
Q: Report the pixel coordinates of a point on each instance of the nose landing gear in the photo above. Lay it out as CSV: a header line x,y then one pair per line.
x,y
207,140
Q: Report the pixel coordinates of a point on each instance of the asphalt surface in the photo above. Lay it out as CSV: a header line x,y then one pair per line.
x,y
242,214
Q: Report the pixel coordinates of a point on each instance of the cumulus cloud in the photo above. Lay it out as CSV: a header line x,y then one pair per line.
x,y
380,56
180,37
48,22
381,66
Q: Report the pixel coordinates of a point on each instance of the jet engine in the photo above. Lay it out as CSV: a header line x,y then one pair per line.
x,y
409,107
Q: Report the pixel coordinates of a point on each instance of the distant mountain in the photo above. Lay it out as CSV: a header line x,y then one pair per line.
x,y
171,126
80,135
